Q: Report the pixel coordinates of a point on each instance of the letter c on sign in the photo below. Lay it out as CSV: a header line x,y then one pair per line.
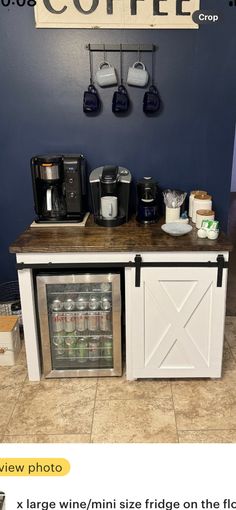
x,y
202,17
92,9
49,7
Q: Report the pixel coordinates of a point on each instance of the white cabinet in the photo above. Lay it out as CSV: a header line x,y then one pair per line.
x,y
175,322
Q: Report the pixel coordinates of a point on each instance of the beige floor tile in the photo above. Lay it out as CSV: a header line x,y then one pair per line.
x,y
210,436
230,330
134,421
5,413
206,404
119,388
54,407
229,363
49,438
11,381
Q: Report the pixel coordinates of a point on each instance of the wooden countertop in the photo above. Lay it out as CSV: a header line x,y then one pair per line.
x,y
128,237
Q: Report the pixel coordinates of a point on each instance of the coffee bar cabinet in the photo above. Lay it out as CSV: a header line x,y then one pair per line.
x,y
176,325
80,324
173,297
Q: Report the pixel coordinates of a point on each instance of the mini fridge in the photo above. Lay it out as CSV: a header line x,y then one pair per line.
x,y
79,319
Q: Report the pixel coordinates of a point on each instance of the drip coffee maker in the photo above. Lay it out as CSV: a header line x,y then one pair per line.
x,y
59,185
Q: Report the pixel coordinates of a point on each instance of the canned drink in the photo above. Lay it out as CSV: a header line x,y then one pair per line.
x,y
71,344
107,350
94,303
57,305
59,342
57,322
82,350
81,303
105,303
81,322
69,305
94,349
105,321
105,287
93,323
69,322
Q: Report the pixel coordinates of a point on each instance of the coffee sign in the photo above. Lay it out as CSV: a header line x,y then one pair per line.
x,y
116,13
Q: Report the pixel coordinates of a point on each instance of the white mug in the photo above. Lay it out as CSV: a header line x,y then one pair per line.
x,y
106,75
137,75
109,207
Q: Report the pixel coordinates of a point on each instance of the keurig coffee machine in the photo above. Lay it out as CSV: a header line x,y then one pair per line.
x,y
59,185
110,188
149,201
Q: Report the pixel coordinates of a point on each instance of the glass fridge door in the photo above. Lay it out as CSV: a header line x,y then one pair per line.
x,y
80,324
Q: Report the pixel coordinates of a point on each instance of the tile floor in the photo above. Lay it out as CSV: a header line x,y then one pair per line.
x,y
106,410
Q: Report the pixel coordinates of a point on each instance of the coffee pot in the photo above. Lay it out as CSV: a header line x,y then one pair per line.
x,y
53,201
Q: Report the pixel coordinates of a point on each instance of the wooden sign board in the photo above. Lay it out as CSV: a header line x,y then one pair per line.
x,y
123,14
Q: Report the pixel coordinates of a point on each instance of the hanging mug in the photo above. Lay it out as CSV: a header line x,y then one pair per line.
x,y
137,75
91,102
106,75
151,100
120,101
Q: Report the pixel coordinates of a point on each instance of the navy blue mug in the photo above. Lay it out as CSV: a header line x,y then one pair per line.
x,y
91,102
151,101
120,101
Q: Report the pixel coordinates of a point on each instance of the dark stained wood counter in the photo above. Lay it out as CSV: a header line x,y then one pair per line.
x,y
128,237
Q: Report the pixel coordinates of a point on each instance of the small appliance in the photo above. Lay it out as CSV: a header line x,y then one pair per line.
x,y
59,186
149,201
110,188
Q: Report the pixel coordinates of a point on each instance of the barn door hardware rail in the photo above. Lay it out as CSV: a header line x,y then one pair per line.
x,y
122,47
220,264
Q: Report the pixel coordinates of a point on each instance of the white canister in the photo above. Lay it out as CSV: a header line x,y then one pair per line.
x,y
172,214
191,198
204,214
200,202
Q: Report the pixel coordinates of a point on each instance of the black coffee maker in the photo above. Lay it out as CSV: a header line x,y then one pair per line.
x,y
59,186
149,201
110,189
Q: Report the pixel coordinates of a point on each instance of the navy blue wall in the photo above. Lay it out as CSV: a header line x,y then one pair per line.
x,y
43,75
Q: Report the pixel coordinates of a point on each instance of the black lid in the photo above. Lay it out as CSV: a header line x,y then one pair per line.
x,y
56,159
109,174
